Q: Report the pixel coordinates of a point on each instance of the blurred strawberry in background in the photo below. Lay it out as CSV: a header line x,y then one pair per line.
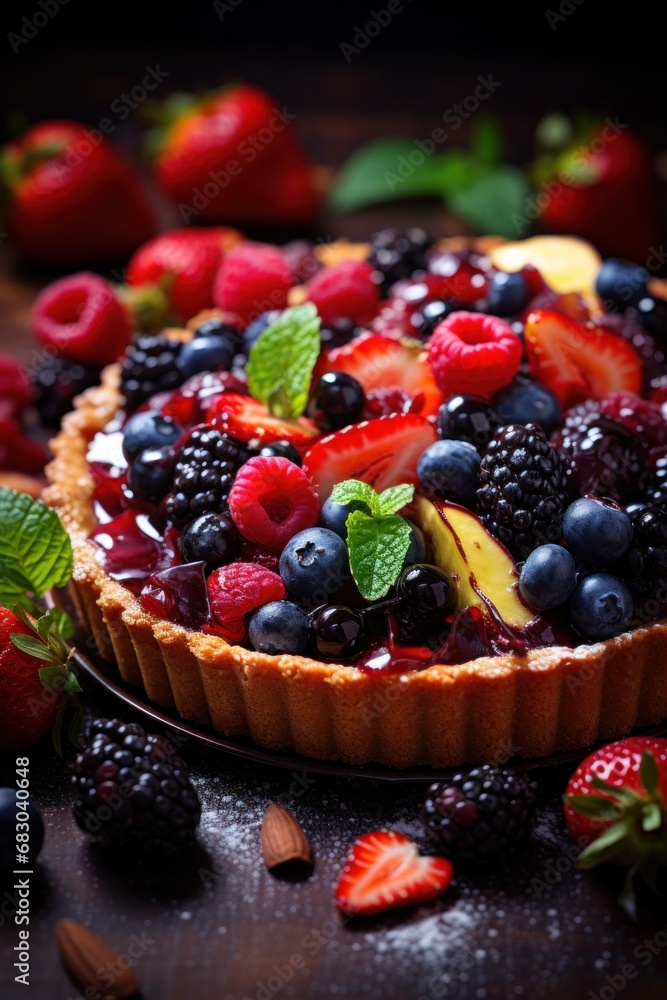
x,y
232,156
71,197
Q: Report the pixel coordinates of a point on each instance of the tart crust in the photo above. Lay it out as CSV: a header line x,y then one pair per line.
x,y
492,708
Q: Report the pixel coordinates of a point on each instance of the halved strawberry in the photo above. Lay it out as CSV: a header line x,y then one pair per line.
x,y
246,419
379,362
382,452
385,870
579,361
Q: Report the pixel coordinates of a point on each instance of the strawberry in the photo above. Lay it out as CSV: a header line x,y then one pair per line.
x,y
382,452
384,870
616,808
579,361
81,318
184,262
231,156
72,199
246,419
382,364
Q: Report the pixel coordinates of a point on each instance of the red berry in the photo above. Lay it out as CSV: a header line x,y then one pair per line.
x,y
81,318
458,280
641,416
247,419
271,500
253,278
27,708
345,291
237,589
473,353
14,385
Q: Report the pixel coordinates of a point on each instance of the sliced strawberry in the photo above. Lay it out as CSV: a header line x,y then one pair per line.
x,y
580,361
380,363
246,419
384,870
382,452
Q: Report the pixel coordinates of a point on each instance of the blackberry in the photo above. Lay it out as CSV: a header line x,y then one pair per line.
x,y
480,814
601,455
132,791
656,492
523,493
398,254
150,366
56,382
203,474
643,568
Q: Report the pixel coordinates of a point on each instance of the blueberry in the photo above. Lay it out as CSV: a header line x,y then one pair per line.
x,y
338,630
150,474
280,449
468,418
597,531
149,429
425,587
255,329
652,314
206,354
621,283
449,469
314,561
218,327
334,515
11,813
339,332
548,577
211,538
417,550
526,402
601,607
279,627
430,315
508,294
336,401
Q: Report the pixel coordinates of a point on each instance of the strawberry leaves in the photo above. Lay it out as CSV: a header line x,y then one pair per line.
x,y
35,549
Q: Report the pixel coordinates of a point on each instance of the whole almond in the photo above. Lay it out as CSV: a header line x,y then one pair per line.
x,y
84,955
283,840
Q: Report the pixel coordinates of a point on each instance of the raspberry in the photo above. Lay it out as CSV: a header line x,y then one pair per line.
x,y
271,500
252,278
345,291
81,318
459,280
473,353
237,589
14,385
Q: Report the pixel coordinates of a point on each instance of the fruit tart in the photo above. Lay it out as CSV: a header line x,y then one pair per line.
x,y
402,502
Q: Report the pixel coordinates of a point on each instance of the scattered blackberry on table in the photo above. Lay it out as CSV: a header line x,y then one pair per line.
x,y
523,491
133,793
398,254
56,382
150,366
480,814
203,474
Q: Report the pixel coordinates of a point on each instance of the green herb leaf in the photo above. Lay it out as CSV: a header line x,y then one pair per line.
x,y
282,360
395,497
594,806
382,170
648,771
487,141
354,491
492,201
35,549
377,547
33,647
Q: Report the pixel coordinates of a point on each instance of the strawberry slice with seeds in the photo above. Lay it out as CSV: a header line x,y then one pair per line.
x,y
382,452
384,870
579,361
247,420
379,362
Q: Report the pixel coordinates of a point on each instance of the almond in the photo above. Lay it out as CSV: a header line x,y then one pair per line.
x,y
283,840
84,955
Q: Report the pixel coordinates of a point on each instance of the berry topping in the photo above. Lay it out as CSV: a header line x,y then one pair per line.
x,y
237,589
253,278
382,452
212,539
450,469
279,627
601,607
384,870
548,577
178,594
642,417
425,587
337,630
334,515
472,353
15,389
56,382
336,401
507,294
397,254
149,366
203,474
211,353
314,562
597,531
271,500
579,361
522,494
621,283
80,317
468,418
246,419
457,278
149,476
425,320
280,449
524,401
480,814
157,811
148,429
644,566
345,291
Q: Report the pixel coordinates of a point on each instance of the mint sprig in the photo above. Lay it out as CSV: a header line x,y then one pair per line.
x,y
35,549
282,360
377,537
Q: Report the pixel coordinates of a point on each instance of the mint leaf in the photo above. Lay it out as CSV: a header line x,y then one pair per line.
x,y
395,497
35,549
282,360
491,201
487,144
377,548
354,491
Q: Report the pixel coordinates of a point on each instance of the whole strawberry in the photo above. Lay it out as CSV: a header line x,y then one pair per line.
x,y
616,809
72,198
231,156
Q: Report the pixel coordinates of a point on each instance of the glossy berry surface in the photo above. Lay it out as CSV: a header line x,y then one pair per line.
x,y
621,283
216,327
149,476
56,382
337,630
178,595
314,561
548,577
212,539
507,294
417,548
527,402
334,516
212,353
236,590
280,449
425,319
256,328
271,500
9,807
150,365
148,429
468,418
450,469
279,627
601,607
425,587
397,254
203,474
473,353
337,400
597,531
